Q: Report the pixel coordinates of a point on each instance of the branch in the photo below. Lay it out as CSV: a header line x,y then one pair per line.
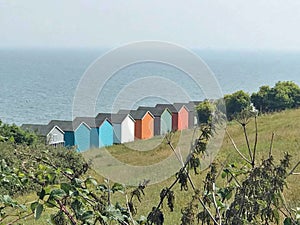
x,y
215,203
128,208
20,218
66,212
255,142
271,144
292,171
207,210
234,145
247,141
183,165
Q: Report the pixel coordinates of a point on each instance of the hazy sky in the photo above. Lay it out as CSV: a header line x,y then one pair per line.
x,y
229,24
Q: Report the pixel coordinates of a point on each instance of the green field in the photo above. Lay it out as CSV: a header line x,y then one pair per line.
x,y
285,125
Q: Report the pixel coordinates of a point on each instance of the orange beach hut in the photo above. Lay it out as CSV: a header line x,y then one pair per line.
x,y
144,123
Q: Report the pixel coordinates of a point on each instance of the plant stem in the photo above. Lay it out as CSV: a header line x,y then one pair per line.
x,y
271,144
255,142
247,141
235,147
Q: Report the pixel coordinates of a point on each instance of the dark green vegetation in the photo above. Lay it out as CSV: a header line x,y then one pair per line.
x,y
253,180
15,134
284,95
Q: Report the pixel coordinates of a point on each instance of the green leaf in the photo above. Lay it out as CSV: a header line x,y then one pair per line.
x,y
224,174
118,187
87,215
69,171
42,194
38,211
288,221
91,181
102,187
57,194
276,215
66,187
33,206
262,203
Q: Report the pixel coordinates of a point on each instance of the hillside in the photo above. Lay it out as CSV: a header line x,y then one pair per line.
x,y
285,126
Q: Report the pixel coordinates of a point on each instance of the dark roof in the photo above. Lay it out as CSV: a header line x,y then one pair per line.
x,y
40,129
114,117
63,124
157,112
169,106
90,121
136,114
190,105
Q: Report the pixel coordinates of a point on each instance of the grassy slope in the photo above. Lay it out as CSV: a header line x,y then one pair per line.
x,y
285,125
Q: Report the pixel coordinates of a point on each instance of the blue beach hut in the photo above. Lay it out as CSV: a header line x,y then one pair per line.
x,y
76,133
101,133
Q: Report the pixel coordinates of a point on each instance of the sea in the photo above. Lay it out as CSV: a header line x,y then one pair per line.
x,y
38,85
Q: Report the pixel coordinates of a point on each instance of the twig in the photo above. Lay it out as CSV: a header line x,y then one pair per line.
x,y
20,218
128,208
234,145
215,203
271,144
255,142
223,165
183,165
66,212
292,171
248,144
207,210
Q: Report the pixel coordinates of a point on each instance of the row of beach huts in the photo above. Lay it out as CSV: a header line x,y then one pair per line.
x,y
125,126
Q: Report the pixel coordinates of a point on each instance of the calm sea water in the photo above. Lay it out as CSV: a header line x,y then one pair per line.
x,y
39,85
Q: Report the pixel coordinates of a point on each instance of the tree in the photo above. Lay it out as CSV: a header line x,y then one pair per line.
x,y
204,111
261,99
236,102
15,134
285,95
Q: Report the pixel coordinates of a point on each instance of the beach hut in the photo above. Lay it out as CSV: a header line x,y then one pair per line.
x,y
193,116
162,119
101,133
76,133
192,107
144,123
53,135
123,125
180,115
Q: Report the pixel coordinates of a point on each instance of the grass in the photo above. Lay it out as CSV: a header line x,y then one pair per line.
x,y
285,125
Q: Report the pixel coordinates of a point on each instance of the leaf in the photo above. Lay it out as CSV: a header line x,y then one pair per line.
x,y
66,188
69,171
87,215
42,194
262,203
57,194
224,174
77,207
276,215
33,206
118,187
38,211
287,221
102,187
91,181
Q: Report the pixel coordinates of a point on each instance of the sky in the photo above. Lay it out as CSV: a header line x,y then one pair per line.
x,y
204,24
